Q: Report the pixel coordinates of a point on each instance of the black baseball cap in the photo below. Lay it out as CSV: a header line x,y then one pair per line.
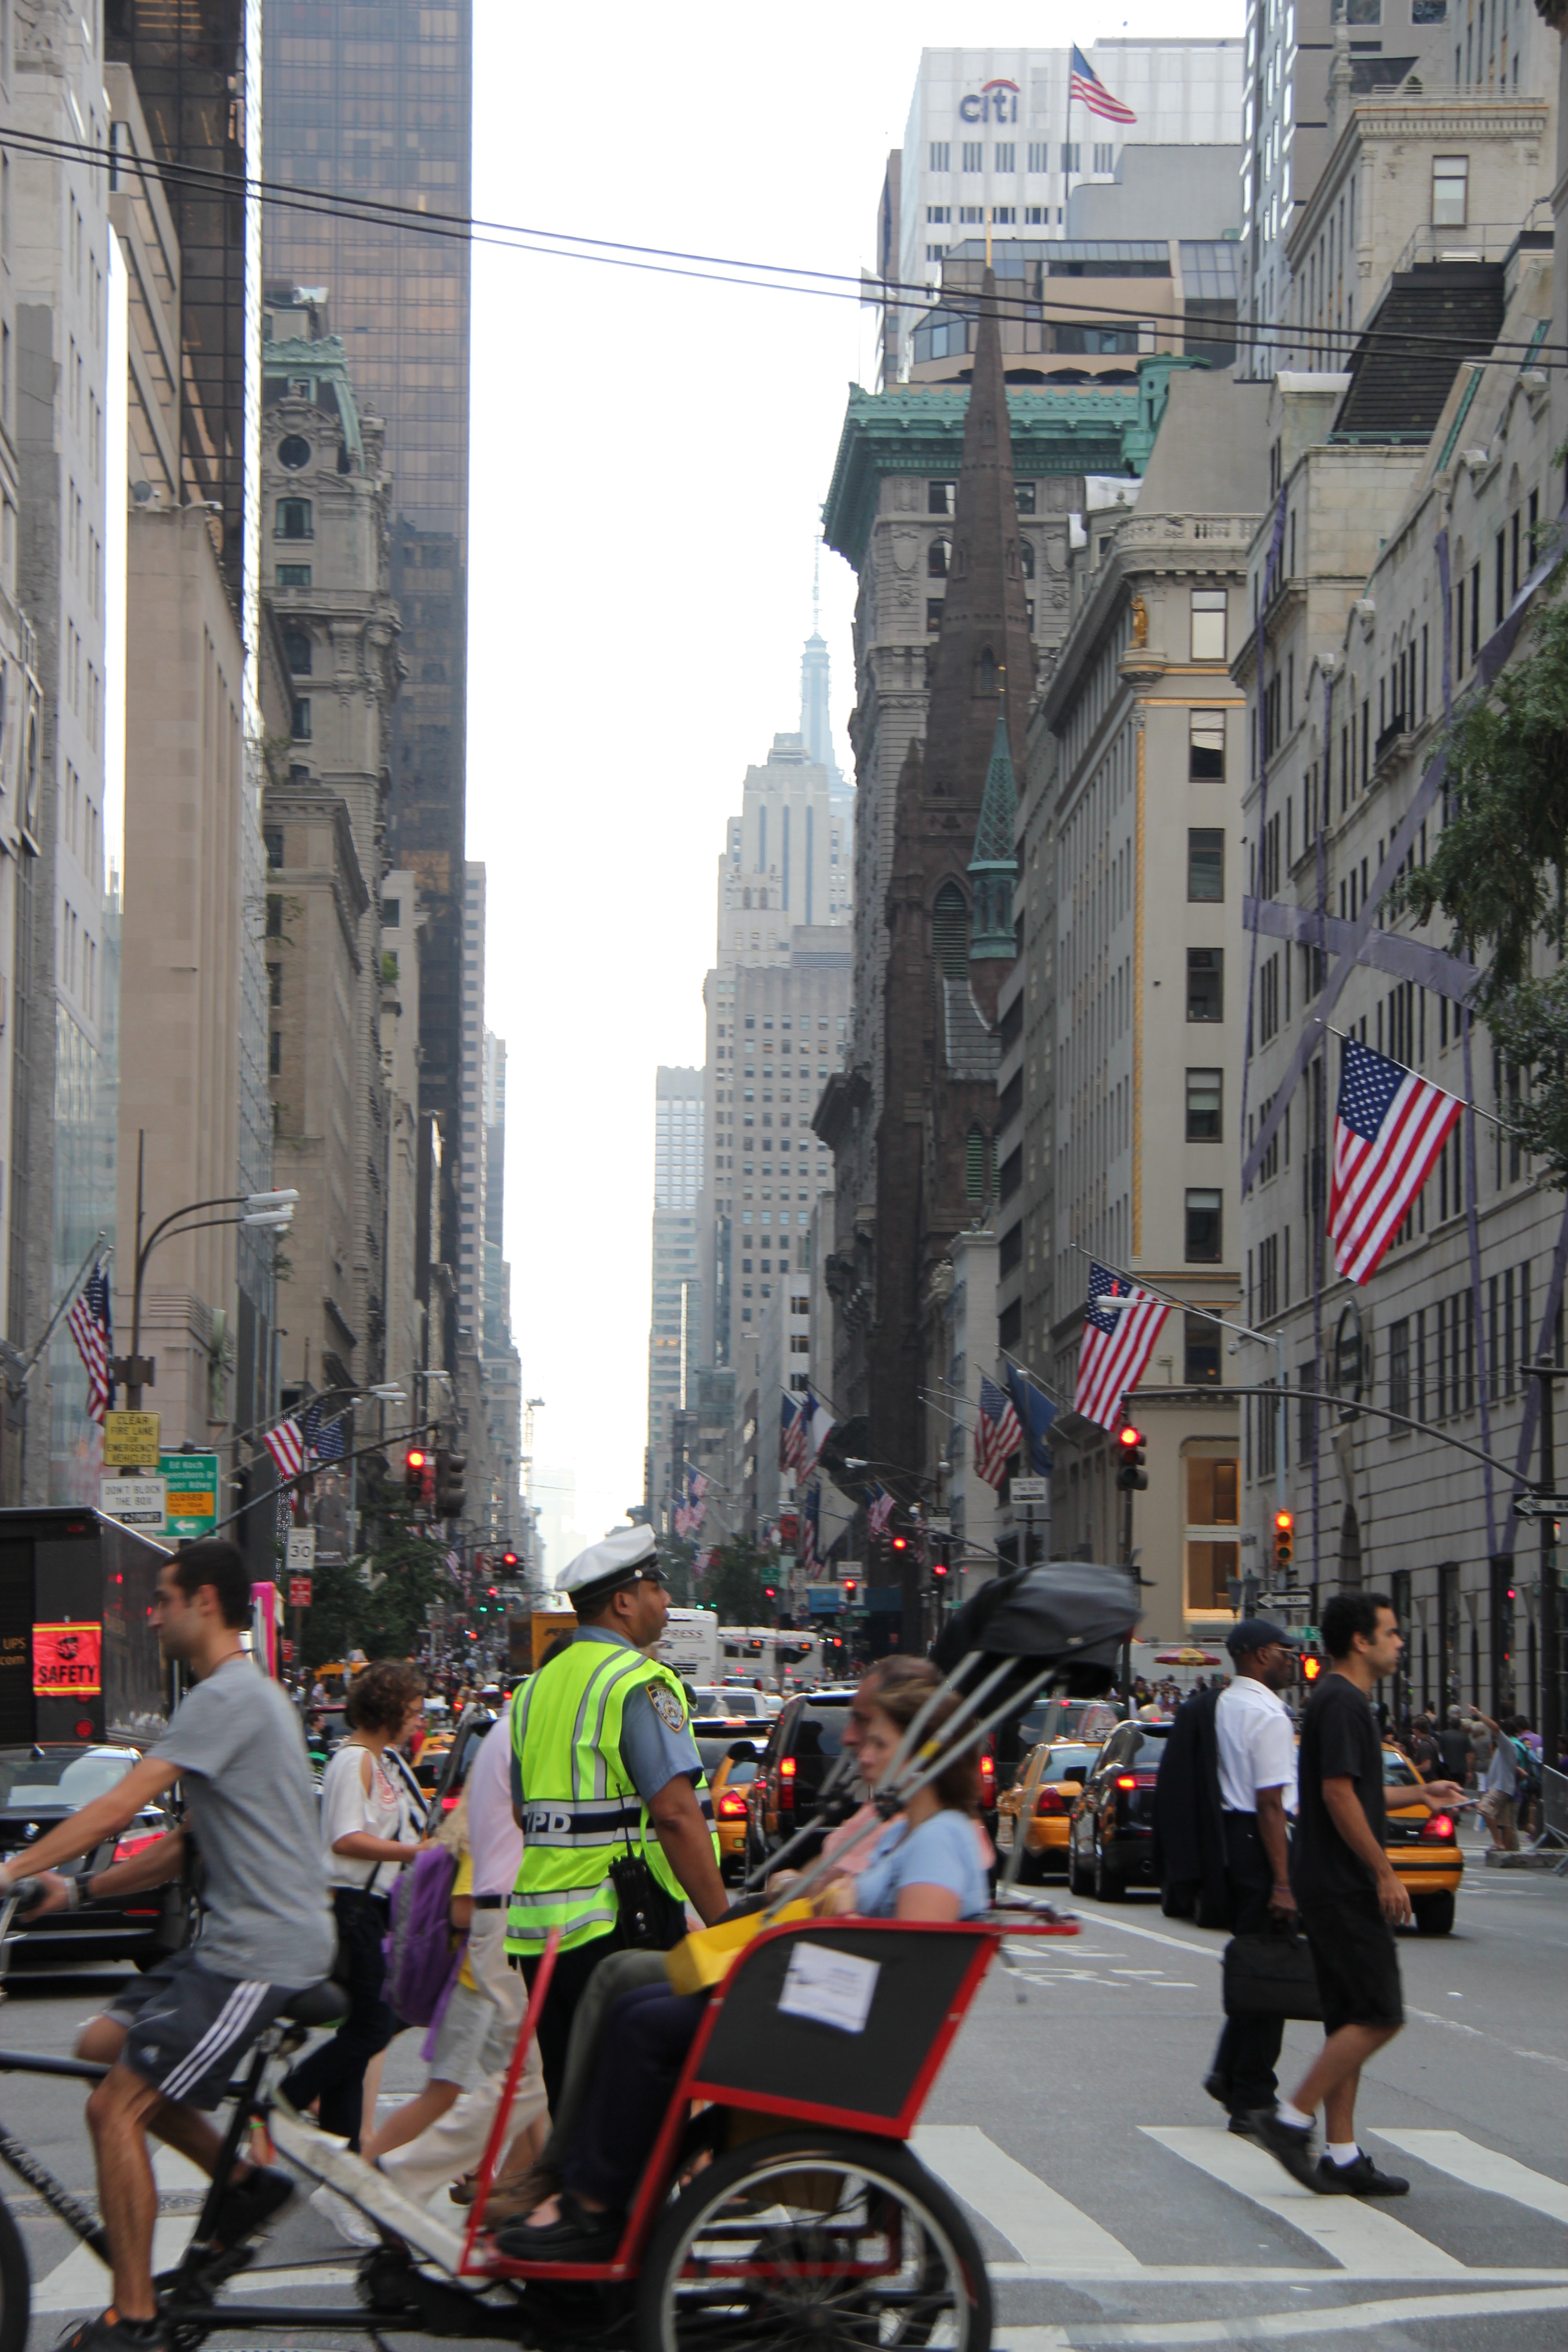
x,y
1257,1634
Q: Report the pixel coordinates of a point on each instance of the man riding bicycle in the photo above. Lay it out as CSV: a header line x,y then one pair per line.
x,y
171,2039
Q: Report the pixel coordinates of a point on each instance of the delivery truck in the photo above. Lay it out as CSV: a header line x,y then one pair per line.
x,y
78,1645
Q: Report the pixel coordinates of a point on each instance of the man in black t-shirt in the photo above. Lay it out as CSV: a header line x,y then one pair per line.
x,y
1349,1898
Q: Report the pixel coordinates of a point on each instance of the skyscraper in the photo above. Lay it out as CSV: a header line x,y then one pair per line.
x,y
676,1318
375,104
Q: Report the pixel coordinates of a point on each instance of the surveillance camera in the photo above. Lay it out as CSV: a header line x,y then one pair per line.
x,y
1234,1348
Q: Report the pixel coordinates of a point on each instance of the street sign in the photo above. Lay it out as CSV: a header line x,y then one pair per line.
x,y
192,1483
1030,1490
300,1552
134,1502
299,1593
130,1440
1540,1507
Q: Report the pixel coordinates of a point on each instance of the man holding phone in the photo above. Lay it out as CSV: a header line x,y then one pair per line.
x,y
1349,1897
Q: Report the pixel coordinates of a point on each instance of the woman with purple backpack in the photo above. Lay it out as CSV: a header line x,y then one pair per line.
x,y
370,1830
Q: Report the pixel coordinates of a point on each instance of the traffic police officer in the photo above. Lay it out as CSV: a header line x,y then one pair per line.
x,y
604,1768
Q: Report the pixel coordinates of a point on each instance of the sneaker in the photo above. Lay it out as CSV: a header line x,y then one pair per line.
x,y
1243,2126
1361,2179
109,2333
250,2204
354,2227
1288,2144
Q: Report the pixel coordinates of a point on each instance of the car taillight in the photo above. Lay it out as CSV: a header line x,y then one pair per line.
x,y
987,1777
730,1808
1050,1800
127,1846
1127,1780
787,1784
449,1804
1439,1828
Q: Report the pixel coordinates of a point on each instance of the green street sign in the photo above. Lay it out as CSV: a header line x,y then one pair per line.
x,y
193,1493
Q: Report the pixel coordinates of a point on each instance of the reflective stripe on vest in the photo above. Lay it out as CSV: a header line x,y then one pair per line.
x,y
579,1809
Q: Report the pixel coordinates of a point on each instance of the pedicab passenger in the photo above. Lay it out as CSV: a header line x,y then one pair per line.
x,y
924,1866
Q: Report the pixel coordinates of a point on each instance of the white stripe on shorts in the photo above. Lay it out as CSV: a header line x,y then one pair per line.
x,y
228,2026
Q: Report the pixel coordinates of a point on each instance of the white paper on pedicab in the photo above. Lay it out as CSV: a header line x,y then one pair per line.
x,y
830,1986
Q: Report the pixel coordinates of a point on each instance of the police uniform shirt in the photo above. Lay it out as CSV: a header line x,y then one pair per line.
x,y
656,1740
1255,1740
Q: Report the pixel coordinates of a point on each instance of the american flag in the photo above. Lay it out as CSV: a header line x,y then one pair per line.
x,y
1085,83
996,1433
90,1325
812,1426
324,1438
810,1520
287,1446
880,1512
703,1562
1115,1348
789,1422
1389,1127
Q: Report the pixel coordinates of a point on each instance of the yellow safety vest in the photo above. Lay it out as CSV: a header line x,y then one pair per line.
x,y
580,1810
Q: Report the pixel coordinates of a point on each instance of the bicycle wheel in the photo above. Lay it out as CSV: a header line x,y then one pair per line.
x,y
15,2285
848,2244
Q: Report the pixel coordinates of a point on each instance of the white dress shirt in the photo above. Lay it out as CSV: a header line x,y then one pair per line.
x,y
1256,1743
494,1839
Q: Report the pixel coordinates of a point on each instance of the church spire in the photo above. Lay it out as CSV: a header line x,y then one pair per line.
x,y
816,718
993,867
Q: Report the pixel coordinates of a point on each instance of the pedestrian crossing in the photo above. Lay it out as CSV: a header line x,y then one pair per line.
x,y
1054,2239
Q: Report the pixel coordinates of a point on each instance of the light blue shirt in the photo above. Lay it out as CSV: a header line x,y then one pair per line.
x,y
943,1851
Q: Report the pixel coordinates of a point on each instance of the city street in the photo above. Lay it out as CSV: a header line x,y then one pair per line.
x,y
1115,2208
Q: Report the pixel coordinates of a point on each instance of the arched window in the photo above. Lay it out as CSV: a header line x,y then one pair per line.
x,y
1026,557
939,555
949,931
297,651
985,671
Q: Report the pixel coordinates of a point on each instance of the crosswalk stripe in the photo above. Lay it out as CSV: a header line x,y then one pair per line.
x,y
1365,2241
1465,2159
1047,2230
1270,2326
80,2283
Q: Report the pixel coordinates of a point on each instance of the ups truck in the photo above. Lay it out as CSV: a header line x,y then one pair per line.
x,y
78,1647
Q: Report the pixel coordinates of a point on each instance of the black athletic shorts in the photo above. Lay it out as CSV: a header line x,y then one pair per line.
x,y
1356,1960
185,2026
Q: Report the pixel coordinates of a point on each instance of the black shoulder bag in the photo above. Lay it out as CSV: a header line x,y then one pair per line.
x,y
1269,1972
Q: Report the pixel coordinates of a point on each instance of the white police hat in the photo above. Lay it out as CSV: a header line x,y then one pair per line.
x,y
626,1556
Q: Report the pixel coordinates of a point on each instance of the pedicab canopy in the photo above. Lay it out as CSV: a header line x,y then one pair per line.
x,y
1070,1614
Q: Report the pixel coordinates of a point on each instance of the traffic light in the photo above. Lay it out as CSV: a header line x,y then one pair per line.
x,y
1131,1475
418,1477
451,1494
508,1561
900,1545
1284,1540
1311,1666
849,1592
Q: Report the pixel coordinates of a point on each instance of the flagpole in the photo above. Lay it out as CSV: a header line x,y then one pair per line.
x,y
1463,1101
68,1299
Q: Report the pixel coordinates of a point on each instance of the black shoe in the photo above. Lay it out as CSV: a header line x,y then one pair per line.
x,y
1218,2088
1361,2179
109,2333
1289,2145
578,2236
1243,2126
250,2204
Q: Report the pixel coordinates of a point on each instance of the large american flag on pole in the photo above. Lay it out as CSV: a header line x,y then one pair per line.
x,y
1085,83
286,1445
1116,1346
88,1323
997,1434
1389,1127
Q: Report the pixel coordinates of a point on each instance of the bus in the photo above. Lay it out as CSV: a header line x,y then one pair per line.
x,y
783,1661
689,1644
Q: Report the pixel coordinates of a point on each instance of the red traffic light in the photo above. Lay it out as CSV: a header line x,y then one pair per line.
x,y
939,1568
900,1543
767,1593
417,1458
508,1559
1284,1521
1312,1667
1128,1437
849,1587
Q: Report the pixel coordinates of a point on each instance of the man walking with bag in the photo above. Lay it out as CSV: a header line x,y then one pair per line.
x,y
1350,1898
1256,1743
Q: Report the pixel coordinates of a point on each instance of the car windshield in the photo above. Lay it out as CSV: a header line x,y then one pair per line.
x,y
65,1777
1152,1738
1068,1763
819,1730
1397,1772
741,1770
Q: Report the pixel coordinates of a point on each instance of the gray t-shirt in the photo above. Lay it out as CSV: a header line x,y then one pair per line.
x,y
252,1811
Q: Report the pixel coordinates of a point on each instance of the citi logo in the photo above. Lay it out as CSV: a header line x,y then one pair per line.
x,y
998,101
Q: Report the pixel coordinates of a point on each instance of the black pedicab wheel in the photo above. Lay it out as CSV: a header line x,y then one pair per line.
x,y
813,2241
15,2285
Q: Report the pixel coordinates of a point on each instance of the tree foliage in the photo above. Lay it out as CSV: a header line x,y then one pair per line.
x,y
384,1617
1498,870
735,1584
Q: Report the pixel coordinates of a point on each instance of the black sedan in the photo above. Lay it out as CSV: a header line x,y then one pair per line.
x,y
1112,1839
39,1788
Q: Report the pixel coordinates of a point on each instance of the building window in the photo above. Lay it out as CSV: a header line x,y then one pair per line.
x,y
973,156
1363,12
1208,624
1450,191
294,519
1205,863
1205,746
273,840
939,498
939,555
297,651
1200,1351
933,615
935,252
1214,1492
274,1054
1205,1095
1399,1365
949,931
274,918
1429,12
941,155
939,215
1206,984
1203,1227
1070,153
1036,216
293,575
1024,497
972,215
293,451
274,983
1003,215
301,721
1039,157
1104,155
1006,155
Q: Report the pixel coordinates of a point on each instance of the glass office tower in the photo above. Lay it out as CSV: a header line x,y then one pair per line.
x,y
372,99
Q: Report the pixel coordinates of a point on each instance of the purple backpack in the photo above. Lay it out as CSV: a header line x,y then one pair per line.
x,y
420,1966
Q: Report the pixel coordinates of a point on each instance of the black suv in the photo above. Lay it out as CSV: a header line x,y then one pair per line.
x,y
804,1744
1112,1839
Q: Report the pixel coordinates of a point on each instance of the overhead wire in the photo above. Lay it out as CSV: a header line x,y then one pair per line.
x,y
763,276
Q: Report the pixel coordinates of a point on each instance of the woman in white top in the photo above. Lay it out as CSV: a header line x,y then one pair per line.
x,y
369,1831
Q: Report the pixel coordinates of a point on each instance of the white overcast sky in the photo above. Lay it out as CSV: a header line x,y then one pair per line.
x,y
649,461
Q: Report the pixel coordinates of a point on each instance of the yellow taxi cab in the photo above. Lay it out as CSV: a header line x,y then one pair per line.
x,y
1050,1780
730,1789
1423,1847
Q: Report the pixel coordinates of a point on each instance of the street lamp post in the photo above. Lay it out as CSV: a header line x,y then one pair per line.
x,y
263,1209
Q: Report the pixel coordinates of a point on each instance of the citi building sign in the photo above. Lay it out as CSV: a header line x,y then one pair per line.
x,y
998,101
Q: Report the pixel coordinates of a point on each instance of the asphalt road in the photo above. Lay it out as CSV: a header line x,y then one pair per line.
x,y
1113,2207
